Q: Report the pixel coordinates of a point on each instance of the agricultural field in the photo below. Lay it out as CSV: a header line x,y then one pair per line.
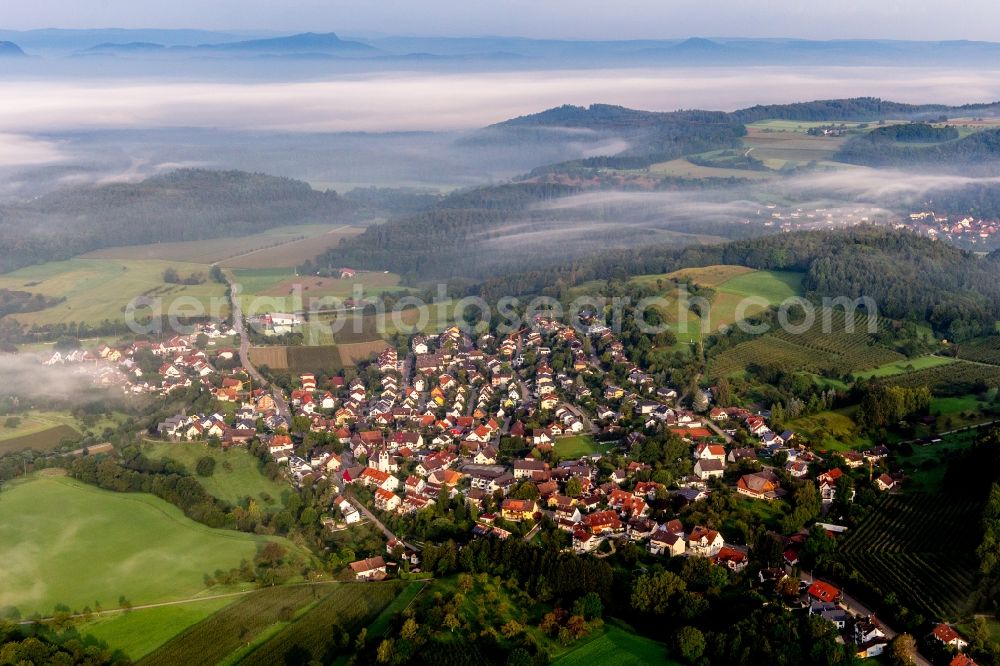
x,y
64,542
920,547
96,290
732,286
44,430
140,631
954,379
352,353
986,350
828,346
215,638
617,647
265,290
681,168
381,624
282,246
903,367
237,473
349,606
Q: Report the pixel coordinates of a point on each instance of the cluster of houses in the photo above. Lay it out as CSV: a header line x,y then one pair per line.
x,y
181,362
962,229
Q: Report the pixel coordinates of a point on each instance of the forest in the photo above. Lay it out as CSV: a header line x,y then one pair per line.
x,y
976,154
183,205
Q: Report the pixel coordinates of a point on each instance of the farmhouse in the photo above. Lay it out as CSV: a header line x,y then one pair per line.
x,y
761,485
372,568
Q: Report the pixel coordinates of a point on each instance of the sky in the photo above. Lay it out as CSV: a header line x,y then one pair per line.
x,y
566,19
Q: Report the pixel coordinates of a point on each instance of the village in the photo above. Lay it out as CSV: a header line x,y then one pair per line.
x,y
487,420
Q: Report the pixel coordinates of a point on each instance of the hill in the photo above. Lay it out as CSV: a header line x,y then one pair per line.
x,y
978,153
10,49
189,204
308,42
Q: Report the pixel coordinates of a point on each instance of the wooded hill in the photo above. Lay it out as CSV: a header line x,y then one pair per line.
x,y
189,204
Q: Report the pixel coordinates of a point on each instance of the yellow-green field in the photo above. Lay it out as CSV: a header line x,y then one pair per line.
x,y
902,367
264,290
64,542
681,168
100,289
44,430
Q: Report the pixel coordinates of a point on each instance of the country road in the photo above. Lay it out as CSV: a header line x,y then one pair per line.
x,y
240,325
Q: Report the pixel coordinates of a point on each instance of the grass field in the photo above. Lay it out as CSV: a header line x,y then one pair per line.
x,y
681,168
577,446
902,367
381,623
281,246
617,647
237,473
705,276
99,289
139,632
64,542
265,290
925,464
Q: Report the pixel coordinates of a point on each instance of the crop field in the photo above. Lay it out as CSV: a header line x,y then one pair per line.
x,y
981,351
64,542
45,430
214,639
776,145
905,366
352,353
828,345
349,606
99,289
959,378
314,358
237,473
275,357
920,547
139,632
617,647
282,246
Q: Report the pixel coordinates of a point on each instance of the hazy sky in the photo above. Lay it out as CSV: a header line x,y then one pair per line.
x,y
897,19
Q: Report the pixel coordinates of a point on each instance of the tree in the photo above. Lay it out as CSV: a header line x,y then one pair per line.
x,y
409,630
385,651
205,466
903,650
589,606
690,643
653,592
573,487
451,622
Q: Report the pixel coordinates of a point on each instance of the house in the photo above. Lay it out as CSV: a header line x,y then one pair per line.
x,y
602,522
280,448
518,510
372,568
885,483
706,469
760,485
949,637
825,592
663,542
734,560
869,638
961,660
386,500
710,452
705,542
830,612
585,542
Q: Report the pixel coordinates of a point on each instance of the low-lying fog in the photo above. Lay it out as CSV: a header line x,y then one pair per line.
x,y
386,129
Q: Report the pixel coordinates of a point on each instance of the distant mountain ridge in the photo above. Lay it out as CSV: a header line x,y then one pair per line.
x,y
301,44
10,49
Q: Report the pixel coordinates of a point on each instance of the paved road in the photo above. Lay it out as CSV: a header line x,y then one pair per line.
x,y
240,326
717,430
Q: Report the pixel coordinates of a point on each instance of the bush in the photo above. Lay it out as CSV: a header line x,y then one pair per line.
x,y
205,466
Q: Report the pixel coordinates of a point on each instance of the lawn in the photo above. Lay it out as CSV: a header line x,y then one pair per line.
x,y
99,289
139,632
237,473
681,168
64,542
617,647
577,446
901,367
